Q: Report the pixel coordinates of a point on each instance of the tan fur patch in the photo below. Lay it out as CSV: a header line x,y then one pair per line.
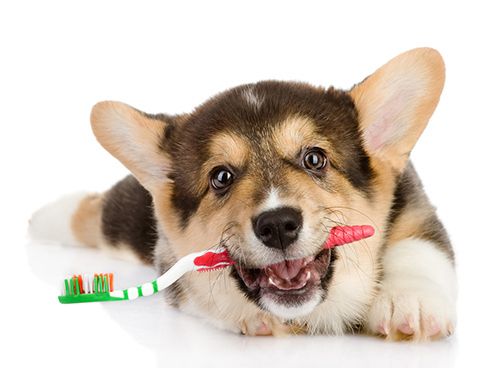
x,y
199,235
409,224
225,149
228,148
295,133
86,221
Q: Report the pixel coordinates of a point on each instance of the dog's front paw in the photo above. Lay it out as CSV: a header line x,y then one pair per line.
x,y
263,325
412,310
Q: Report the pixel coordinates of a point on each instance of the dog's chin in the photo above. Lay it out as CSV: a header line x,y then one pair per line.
x,y
289,289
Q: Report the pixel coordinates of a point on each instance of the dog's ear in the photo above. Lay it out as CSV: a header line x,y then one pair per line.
x,y
396,102
135,139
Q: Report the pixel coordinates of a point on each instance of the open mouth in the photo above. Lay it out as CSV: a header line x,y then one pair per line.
x,y
289,283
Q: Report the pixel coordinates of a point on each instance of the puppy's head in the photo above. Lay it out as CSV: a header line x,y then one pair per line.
x,y
268,169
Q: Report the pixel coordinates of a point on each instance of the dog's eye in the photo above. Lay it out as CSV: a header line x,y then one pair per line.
x,y
221,179
314,160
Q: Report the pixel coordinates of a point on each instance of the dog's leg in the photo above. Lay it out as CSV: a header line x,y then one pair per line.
x,y
120,221
417,293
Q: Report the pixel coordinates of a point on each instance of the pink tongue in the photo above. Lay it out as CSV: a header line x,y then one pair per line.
x,y
287,270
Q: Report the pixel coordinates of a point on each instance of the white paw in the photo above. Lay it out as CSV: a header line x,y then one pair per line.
x,y
412,309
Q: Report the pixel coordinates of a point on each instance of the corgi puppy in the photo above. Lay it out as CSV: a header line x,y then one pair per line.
x,y
265,170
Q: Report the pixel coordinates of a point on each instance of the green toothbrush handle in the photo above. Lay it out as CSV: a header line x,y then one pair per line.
x,y
146,289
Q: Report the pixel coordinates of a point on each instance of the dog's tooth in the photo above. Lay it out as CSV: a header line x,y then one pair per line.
x,y
272,282
308,276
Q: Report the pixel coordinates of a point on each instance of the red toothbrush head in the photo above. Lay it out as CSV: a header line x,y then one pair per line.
x,y
212,260
340,235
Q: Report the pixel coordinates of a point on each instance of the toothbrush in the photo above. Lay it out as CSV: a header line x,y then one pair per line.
x,y
99,287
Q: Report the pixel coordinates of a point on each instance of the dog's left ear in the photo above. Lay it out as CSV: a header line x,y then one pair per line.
x,y
135,139
396,102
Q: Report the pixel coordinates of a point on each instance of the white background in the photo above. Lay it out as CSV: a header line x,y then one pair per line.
x,y
58,58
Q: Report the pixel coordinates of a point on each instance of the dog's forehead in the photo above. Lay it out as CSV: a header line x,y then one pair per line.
x,y
285,139
276,113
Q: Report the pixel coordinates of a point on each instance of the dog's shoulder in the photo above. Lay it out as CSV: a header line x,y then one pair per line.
x,y
412,214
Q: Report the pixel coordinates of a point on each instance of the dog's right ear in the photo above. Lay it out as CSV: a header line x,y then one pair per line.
x,y
396,102
135,139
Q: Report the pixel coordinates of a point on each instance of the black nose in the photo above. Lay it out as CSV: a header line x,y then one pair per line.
x,y
278,228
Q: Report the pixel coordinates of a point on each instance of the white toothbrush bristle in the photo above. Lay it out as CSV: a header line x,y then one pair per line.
x,y
85,284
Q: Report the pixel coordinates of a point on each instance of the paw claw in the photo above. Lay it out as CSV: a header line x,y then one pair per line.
x,y
432,327
263,330
450,329
383,328
406,328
